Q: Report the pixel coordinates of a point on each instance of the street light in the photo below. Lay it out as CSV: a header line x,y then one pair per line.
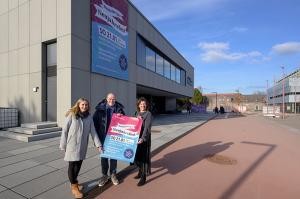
x,y
216,98
282,67
267,95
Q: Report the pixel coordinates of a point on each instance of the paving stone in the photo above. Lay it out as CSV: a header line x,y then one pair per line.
x,y
25,176
4,147
58,164
25,156
60,191
92,152
4,155
42,184
49,157
13,168
26,149
2,188
10,195
11,160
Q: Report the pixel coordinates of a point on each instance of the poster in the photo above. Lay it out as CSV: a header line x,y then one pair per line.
x,y
122,137
109,35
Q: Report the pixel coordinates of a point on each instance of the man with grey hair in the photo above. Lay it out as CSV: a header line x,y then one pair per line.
x,y
102,118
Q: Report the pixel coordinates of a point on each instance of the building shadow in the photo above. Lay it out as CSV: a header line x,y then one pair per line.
x,y
231,190
177,161
27,112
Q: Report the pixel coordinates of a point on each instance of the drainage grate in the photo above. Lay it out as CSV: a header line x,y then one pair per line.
x,y
220,159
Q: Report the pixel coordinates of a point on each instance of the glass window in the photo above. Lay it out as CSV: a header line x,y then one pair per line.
x,y
177,75
159,65
140,52
167,69
173,72
51,55
150,59
182,74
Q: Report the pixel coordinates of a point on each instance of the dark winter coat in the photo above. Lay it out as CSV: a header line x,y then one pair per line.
x,y
100,118
143,152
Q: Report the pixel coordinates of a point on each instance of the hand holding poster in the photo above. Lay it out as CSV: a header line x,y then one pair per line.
x,y
122,137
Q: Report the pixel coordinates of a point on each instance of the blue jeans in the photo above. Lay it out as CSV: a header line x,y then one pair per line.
x,y
112,166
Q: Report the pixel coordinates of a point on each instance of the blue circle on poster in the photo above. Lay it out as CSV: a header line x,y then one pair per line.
x,y
123,62
128,153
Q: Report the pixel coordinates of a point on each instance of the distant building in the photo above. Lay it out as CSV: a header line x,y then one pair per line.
x,y
235,101
289,86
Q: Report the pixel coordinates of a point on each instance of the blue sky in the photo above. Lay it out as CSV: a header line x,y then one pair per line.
x,y
232,44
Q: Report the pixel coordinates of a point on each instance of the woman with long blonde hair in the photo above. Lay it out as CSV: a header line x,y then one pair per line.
x,y
74,140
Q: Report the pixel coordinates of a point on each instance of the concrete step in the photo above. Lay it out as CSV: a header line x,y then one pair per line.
x,y
29,138
39,125
31,131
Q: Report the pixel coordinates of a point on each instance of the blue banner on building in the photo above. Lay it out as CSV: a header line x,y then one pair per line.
x,y
109,19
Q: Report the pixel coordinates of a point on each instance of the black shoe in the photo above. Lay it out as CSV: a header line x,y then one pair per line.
x,y
142,181
138,176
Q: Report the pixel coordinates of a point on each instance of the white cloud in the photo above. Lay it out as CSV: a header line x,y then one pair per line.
x,y
217,46
286,48
219,51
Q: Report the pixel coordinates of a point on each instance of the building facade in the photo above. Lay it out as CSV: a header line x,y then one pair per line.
x,y
286,91
236,102
49,57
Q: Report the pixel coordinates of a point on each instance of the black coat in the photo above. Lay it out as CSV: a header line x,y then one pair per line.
x,y
100,118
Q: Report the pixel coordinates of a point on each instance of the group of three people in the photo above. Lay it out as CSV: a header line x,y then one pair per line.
x,y
80,124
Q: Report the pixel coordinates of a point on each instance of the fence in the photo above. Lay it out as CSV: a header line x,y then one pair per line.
x,y
8,117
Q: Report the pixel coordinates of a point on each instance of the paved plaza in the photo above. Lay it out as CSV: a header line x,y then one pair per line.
x,y
230,157
37,169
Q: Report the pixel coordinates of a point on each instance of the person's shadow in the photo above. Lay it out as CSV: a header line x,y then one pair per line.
x,y
177,161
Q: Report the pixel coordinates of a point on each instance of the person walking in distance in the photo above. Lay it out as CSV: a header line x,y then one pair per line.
x,y
102,118
74,140
143,152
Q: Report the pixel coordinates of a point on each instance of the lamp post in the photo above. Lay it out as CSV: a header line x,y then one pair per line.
x,y
273,98
267,94
216,98
283,107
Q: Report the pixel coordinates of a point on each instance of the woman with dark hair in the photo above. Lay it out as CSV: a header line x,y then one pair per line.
x,y
74,140
143,152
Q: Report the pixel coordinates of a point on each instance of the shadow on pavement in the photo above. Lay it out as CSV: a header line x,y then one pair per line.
x,y
229,192
180,160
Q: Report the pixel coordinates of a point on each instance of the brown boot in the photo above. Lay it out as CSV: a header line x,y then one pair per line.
x,y
80,187
75,191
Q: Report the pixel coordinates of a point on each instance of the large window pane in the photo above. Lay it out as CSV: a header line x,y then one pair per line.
x,y
159,64
51,55
173,72
150,59
167,69
177,75
182,74
141,52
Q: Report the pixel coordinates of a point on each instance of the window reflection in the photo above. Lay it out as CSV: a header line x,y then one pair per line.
x,y
150,59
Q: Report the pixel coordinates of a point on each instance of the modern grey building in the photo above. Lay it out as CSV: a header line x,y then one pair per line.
x,y
289,87
48,58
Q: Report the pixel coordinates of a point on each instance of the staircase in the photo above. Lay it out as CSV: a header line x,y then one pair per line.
x,y
29,132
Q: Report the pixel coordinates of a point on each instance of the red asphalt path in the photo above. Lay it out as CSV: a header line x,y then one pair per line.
x,y
267,155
